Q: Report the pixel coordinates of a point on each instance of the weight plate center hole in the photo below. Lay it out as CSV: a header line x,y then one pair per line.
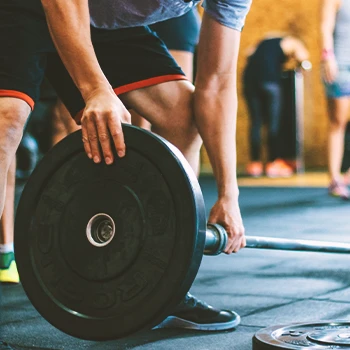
x,y
100,230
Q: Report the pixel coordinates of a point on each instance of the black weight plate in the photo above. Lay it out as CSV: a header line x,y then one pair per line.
x,y
133,282
297,336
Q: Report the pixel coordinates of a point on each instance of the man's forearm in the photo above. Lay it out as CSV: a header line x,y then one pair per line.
x,y
69,25
215,101
217,125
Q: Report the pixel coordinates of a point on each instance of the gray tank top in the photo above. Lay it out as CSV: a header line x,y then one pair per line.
x,y
342,34
113,14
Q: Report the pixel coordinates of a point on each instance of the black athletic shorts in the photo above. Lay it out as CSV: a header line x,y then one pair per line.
x,y
130,58
180,33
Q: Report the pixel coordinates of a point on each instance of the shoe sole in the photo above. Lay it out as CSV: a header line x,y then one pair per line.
x,y
9,275
177,322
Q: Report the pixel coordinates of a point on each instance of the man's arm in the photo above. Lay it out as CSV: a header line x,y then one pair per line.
x,y
215,105
69,25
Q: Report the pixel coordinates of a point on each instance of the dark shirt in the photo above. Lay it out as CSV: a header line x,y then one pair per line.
x,y
266,63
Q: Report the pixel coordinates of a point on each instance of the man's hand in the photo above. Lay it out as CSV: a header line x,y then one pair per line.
x,y
226,213
330,70
101,125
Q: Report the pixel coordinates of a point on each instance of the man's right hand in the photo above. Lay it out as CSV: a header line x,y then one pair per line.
x,y
101,125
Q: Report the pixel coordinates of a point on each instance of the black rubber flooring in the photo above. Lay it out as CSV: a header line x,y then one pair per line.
x,y
265,287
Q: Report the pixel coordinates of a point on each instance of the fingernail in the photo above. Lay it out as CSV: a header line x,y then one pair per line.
x,y
96,159
90,155
121,153
108,160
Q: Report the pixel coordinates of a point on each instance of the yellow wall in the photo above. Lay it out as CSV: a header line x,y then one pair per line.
x,y
300,17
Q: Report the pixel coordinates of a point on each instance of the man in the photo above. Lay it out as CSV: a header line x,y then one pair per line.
x,y
117,62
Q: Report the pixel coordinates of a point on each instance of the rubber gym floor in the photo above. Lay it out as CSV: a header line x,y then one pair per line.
x,y
265,287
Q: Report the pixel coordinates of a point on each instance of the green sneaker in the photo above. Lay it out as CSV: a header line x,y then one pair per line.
x,y
8,269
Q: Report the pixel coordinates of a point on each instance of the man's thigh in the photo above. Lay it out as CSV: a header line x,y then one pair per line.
x,y
168,103
132,59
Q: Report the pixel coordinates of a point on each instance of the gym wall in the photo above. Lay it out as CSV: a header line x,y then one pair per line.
x,y
301,18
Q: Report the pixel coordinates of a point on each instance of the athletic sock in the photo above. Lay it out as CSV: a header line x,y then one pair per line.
x,y
6,255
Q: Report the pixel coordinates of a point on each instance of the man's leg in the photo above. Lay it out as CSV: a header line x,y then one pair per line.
x,y
8,268
168,107
185,60
62,122
13,113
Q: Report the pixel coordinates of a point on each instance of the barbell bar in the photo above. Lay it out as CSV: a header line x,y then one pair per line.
x,y
216,240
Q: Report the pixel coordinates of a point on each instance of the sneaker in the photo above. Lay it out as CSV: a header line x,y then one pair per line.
x,y
338,189
278,168
9,274
254,169
195,314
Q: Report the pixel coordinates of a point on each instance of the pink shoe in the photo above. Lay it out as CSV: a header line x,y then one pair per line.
x,y
339,189
278,168
254,169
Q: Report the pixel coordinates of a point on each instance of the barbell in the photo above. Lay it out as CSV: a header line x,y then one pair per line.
x,y
106,251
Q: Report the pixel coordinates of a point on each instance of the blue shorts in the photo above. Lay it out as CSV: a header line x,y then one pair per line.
x,y
180,33
341,86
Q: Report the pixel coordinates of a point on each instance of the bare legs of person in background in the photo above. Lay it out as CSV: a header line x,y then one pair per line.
x,y
185,60
338,109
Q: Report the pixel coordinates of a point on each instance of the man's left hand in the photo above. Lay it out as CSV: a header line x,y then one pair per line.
x,y
226,212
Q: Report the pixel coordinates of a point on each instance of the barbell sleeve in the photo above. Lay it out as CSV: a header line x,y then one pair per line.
x,y
216,240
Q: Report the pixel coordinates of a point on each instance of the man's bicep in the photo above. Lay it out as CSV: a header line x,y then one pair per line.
x,y
230,13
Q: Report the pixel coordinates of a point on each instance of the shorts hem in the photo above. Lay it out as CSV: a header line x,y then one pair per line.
x,y
138,85
17,94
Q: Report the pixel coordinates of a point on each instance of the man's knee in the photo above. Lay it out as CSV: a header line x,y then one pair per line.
x,y
13,114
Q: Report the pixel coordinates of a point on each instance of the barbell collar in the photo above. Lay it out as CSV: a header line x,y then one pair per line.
x,y
216,240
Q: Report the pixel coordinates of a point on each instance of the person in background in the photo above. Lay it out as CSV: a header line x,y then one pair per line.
x,y
263,94
335,56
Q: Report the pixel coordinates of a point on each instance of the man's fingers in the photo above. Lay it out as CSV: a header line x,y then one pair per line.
x,y
93,140
243,242
104,139
235,242
116,131
85,139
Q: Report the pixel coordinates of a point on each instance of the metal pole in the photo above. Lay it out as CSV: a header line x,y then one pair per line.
x,y
216,239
